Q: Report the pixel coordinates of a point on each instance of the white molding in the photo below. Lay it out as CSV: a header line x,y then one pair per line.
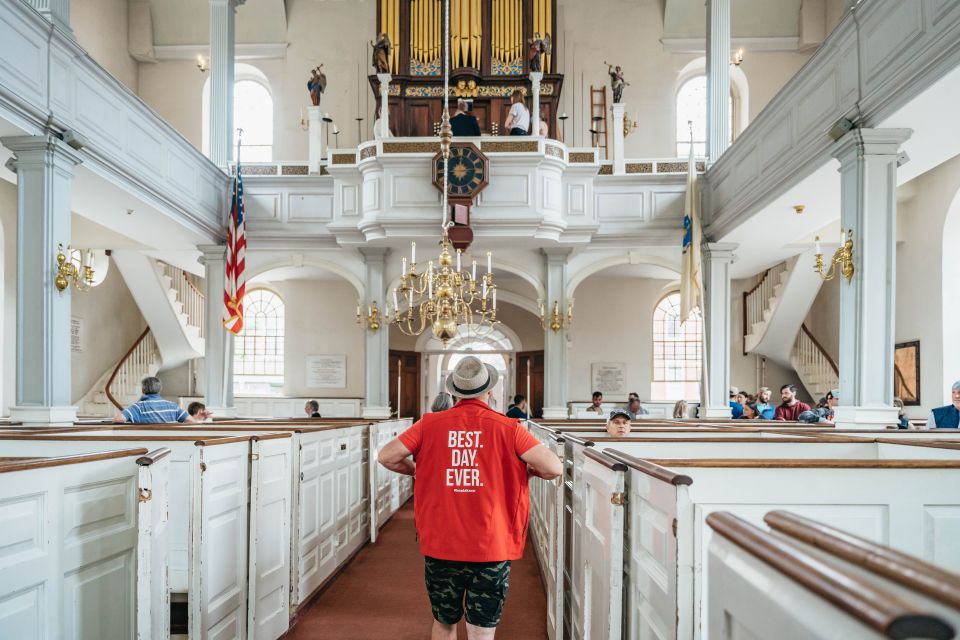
x,y
749,45
258,51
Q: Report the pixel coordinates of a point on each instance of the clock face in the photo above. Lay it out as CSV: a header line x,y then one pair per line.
x,y
466,173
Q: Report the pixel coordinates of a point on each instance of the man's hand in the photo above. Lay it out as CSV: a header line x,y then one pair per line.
x,y
543,463
396,457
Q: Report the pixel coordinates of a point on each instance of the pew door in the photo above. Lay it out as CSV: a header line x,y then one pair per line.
x,y
153,578
315,522
601,551
218,596
268,614
552,504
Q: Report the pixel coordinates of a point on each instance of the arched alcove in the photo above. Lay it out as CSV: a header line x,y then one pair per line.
x,y
253,111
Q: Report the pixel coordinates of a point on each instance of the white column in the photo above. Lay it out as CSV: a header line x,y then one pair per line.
x,y
535,78
44,167
555,343
222,23
315,138
718,78
717,258
619,163
385,79
377,400
868,208
56,11
218,343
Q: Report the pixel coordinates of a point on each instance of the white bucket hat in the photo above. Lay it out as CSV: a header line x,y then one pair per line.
x,y
471,378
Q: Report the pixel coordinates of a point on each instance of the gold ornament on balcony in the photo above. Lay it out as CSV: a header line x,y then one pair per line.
x,y
842,257
556,321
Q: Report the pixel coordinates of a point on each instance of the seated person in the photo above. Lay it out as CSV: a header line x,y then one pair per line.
x,y
750,412
830,402
902,422
312,409
764,408
948,416
151,408
464,123
791,408
442,402
808,416
635,409
736,409
198,412
519,408
596,403
618,424
680,409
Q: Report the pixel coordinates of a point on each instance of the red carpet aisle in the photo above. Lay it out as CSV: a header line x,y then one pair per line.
x,y
381,595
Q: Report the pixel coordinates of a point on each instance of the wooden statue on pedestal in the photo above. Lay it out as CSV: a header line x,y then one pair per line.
x,y
316,85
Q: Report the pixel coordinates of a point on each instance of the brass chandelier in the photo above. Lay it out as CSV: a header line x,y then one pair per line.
x,y
444,297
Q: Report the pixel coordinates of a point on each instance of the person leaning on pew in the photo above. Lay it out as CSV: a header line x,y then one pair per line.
x,y
618,424
152,409
947,417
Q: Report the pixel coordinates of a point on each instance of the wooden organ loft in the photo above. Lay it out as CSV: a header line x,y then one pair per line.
x,y
488,60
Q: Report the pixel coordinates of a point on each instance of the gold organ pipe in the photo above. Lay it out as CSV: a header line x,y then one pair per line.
x,y
422,28
414,54
548,28
454,34
464,31
517,29
509,30
498,29
437,30
395,37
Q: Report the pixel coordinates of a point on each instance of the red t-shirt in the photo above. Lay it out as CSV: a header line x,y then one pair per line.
x,y
790,414
471,497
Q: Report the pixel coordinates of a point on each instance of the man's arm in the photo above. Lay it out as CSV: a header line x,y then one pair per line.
x,y
396,457
120,418
542,462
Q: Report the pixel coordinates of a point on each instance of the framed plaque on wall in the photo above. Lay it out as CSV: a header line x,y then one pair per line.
x,y
327,372
609,377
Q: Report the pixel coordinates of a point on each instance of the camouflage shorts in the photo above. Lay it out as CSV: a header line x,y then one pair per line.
x,y
481,587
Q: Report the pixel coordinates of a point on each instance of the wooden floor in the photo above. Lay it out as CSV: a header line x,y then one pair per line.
x,y
381,594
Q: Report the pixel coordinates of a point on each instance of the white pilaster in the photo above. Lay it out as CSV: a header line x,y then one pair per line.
x,y
868,207
619,162
535,78
315,138
218,342
377,400
385,79
717,258
718,78
555,343
222,31
56,11
44,167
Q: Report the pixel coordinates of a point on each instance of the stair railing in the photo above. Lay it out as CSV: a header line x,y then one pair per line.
x,y
188,294
130,371
757,299
810,353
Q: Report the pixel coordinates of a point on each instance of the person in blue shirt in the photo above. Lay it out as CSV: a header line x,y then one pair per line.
x,y
151,408
519,408
764,408
736,409
947,417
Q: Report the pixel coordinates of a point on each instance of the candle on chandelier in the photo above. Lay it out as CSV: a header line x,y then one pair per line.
x,y
458,260
484,288
430,280
489,262
843,238
358,308
413,252
817,241
395,305
474,276
410,300
494,299
403,271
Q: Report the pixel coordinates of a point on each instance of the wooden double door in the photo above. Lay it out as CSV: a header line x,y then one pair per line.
x,y
530,364
405,371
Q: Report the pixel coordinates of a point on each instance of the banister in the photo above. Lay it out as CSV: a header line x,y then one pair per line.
x,y
120,364
816,343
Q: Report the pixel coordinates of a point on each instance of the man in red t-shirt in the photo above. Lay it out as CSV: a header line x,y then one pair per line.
x,y
791,408
471,499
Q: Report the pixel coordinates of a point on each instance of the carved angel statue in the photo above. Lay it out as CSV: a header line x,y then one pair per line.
x,y
316,85
617,83
381,53
537,47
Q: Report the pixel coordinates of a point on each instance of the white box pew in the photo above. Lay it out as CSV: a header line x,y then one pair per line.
x,y
935,589
81,544
388,490
764,586
214,510
547,533
910,505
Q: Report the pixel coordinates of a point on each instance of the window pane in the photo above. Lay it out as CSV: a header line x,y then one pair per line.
x,y
253,113
258,350
677,351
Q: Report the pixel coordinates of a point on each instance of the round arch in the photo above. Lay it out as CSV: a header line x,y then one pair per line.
x,y
592,268
509,336
241,72
327,265
739,87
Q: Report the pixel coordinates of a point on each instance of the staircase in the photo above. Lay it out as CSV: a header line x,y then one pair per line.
x,y
172,302
817,370
119,386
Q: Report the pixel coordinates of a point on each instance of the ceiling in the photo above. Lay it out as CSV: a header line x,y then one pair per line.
x,y
749,18
187,22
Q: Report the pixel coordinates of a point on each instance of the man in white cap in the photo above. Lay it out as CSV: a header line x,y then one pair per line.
x,y
947,417
471,499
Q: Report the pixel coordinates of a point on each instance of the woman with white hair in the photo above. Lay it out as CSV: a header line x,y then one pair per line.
x,y
947,417
442,402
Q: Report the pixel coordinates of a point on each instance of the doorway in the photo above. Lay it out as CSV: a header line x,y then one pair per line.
x,y
529,379
405,377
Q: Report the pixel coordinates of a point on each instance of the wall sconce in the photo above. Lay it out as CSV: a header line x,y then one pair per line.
x,y
557,321
304,124
737,57
372,319
798,208
843,257
202,64
628,124
82,267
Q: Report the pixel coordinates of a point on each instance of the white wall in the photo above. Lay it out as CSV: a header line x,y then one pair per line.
x,y
111,323
823,320
101,28
8,276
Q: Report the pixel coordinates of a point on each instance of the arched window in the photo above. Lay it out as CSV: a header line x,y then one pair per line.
x,y
258,350
692,107
677,352
252,112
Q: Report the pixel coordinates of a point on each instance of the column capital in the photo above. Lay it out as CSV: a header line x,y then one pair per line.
x,y
557,255
223,3
536,77
870,142
374,255
29,149
384,79
720,251
212,253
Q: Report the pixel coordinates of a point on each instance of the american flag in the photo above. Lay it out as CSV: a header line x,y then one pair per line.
x,y
235,285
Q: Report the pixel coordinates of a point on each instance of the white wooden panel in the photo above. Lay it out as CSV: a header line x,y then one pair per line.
x,y
552,190
371,194
413,191
348,196
261,206
315,522
941,536
667,204
309,207
602,553
23,52
223,543
153,582
506,190
619,204
576,200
